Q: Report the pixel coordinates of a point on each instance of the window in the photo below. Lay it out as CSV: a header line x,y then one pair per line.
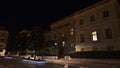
x,y
62,35
82,38
72,44
82,49
94,48
108,33
49,38
71,31
72,22
94,36
2,40
110,48
1,49
55,36
81,22
92,18
105,14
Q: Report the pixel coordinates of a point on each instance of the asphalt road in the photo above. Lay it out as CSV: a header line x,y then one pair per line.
x,y
8,62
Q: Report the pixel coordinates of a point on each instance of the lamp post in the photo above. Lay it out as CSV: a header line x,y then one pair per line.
x,y
63,48
56,50
63,43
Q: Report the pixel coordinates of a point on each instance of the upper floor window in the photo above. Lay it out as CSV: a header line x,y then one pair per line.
x,y
71,31
92,18
62,35
72,22
105,13
94,36
81,22
2,40
55,36
82,38
108,33
49,38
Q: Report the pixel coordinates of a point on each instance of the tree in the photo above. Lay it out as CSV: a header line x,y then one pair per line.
x,y
12,43
51,48
22,42
37,39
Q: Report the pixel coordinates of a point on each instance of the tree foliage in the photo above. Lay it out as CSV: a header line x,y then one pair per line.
x,y
36,39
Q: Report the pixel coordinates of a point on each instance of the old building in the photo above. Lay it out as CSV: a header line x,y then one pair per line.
x,y
63,33
3,40
98,27
95,28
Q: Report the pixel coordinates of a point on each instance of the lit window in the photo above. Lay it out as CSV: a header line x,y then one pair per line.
x,y
71,31
62,35
94,36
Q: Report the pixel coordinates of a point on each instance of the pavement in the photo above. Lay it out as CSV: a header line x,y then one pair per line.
x,y
88,63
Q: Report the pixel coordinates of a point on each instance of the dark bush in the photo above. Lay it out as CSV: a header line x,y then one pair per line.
x,y
96,54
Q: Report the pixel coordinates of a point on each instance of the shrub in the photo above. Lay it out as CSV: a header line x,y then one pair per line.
x,y
96,54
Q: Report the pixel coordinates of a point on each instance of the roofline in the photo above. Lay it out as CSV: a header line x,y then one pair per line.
x,y
82,10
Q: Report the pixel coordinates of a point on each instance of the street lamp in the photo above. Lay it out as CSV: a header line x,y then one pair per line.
x,y
56,50
56,44
63,43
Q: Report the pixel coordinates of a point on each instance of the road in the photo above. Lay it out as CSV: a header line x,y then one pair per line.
x,y
89,63
8,62
20,63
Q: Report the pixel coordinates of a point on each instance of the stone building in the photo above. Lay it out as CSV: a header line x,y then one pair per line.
x,y
98,27
63,33
95,28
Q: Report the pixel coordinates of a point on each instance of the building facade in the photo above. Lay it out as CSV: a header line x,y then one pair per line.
x,y
3,40
95,28
98,27
62,33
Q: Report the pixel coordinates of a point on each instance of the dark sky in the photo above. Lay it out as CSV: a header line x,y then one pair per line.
x,y
24,14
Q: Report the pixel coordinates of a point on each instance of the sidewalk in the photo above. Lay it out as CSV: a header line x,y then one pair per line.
x,y
85,63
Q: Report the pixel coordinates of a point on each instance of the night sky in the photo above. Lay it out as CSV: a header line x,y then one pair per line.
x,y
24,14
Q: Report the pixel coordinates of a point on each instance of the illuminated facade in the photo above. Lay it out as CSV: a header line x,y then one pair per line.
x,y
3,40
98,27
95,28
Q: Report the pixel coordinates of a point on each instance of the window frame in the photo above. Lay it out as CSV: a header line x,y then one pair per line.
x,y
94,36
108,33
82,38
106,13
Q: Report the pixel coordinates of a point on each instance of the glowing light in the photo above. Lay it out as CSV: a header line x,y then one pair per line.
x,y
94,36
63,43
71,31
55,43
78,48
8,58
33,62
